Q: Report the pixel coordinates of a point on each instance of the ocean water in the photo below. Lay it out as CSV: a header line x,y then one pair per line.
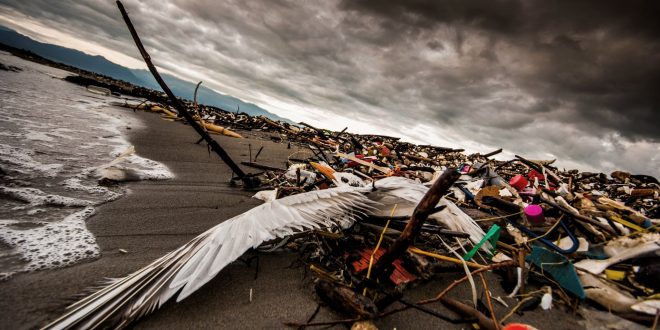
x,y
56,141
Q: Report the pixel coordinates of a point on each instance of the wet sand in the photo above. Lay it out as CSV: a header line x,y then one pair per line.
x,y
156,217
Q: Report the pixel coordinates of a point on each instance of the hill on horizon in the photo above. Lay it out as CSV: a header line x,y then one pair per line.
x,y
140,77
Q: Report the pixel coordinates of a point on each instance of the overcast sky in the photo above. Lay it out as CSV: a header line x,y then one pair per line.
x,y
573,80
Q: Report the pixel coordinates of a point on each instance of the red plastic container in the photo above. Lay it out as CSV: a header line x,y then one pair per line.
x,y
535,174
519,182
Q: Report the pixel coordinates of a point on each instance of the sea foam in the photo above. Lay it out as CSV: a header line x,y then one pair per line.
x,y
56,141
53,244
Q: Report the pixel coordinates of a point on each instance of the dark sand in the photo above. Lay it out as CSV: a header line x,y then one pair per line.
x,y
159,216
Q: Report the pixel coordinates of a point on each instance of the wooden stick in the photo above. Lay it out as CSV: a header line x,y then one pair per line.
x,y
414,226
195,94
492,153
580,217
385,170
444,258
175,101
465,278
258,153
490,303
318,324
339,133
433,313
464,309
449,288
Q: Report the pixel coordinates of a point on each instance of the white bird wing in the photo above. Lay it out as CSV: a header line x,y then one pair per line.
x,y
186,269
403,192
455,219
408,193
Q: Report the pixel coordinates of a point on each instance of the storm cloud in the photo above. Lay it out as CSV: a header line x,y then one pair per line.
x,y
575,80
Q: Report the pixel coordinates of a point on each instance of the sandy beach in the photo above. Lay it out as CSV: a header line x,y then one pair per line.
x,y
156,217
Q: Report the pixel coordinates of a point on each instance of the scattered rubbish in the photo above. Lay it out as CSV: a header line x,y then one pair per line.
x,y
371,216
534,214
559,267
98,90
604,320
546,300
606,295
598,266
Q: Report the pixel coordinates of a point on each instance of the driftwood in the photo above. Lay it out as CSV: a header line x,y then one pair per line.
x,y
465,310
277,125
345,299
425,208
580,217
320,132
421,159
492,153
441,149
247,180
195,93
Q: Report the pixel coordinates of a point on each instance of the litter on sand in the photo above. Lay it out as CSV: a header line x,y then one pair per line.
x,y
372,216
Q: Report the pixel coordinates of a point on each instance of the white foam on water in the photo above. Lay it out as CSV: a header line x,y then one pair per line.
x,y
39,136
148,169
54,139
35,211
53,244
77,185
35,197
23,161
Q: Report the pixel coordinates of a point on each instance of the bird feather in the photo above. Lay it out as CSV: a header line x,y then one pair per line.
x,y
184,270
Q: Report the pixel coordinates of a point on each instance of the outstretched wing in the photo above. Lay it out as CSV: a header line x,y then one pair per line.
x,y
186,269
407,194
403,192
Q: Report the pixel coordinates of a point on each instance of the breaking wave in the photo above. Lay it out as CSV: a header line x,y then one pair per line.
x,y
56,142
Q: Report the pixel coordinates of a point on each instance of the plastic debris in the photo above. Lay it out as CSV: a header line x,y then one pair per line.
x,y
497,215
559,267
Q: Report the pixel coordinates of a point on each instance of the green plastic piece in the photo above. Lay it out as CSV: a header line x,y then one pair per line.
x,y
492,236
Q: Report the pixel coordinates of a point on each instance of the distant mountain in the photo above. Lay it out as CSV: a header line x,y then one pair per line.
x,y
68,56
101,65
205,95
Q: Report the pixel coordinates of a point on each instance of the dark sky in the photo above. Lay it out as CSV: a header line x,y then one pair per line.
x,y
573,80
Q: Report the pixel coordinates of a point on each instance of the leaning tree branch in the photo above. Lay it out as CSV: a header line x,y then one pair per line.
x,y
178,105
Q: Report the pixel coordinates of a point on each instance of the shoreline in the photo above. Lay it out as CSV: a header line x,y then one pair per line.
x,y
155,217
137,222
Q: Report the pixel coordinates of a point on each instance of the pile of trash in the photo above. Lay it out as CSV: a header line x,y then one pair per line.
x,y
371,216
554,236
581,236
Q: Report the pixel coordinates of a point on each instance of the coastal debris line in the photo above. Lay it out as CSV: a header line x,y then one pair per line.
x,y
372,217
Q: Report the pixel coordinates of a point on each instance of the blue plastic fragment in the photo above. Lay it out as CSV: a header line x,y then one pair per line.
x,y
559,267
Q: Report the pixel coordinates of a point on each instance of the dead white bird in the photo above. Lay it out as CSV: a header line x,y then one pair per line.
x,y
620,245
651,306
183,271
598,266
605,294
